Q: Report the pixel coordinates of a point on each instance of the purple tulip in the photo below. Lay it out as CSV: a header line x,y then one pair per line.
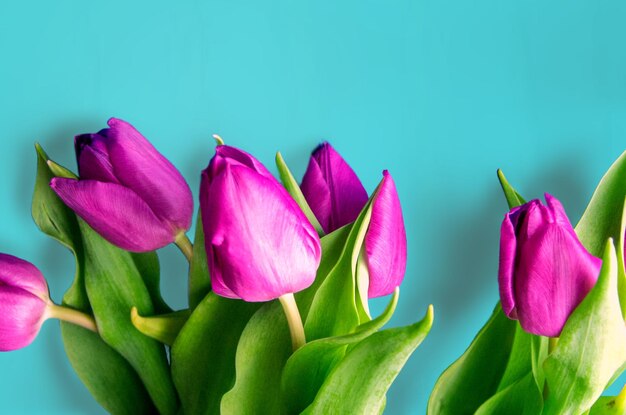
x,y
128,192
336,197
385,241
332,189
544,272
260,246
23,302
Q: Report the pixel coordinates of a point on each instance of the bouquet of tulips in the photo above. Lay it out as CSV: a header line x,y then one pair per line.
x,y
321,249
557,338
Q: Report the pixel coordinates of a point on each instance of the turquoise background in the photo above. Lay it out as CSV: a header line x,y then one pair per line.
x,y
439,92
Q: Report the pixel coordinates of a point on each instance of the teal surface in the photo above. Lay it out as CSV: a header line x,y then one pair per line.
x,y
441,93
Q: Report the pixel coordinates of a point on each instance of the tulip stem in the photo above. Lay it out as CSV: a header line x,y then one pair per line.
x,y
72,316
184,244
294,320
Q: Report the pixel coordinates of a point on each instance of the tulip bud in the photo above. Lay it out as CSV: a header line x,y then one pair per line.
x,y
128,192
544,271
259,244
332,189
336,196
385,241
23,302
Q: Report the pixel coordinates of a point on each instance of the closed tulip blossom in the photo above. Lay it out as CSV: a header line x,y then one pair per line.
x,y
385,241
127,192
332,189
259,244
544,272
336,197
25,304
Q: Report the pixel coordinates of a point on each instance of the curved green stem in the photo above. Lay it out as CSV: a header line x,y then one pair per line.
x,y
184,244
72,316
294,320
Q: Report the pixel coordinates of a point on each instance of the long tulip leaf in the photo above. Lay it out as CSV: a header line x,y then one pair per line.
x,y
199,279
114,285
358,384
107,375
308,367
600,221
591,348
203,355
482,365
262,352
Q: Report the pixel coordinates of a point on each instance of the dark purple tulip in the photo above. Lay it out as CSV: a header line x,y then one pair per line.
x,y
544,272
332,189
23,302
260,246
128,192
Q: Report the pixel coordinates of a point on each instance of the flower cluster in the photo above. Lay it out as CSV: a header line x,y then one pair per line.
x,y
321,248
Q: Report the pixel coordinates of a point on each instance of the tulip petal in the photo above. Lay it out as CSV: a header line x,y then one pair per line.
x,y
554,275
93,158
254,235
385,241
22,274
217,284
332,188
235,156
317,194
116,213
508,247
22,314
139,166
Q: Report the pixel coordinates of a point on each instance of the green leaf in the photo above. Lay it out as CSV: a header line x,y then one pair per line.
x,y
199,279
203,355
332,248
621,273
358,384
334,309
475,377
591,348
114,285
163,328
110,379
49,213
262,352
147,264
309,366
601,219
106,374
294,190
520,361
610,405
522,397
512,197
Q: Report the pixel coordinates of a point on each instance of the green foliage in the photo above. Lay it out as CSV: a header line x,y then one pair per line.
x,y
227,356
592,346
109,377
203,355
199,279
358,384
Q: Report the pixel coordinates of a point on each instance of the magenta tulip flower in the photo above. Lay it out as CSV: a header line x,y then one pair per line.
x,y
336,197
260,246
544,272
128,192
385,241
23,302
332,189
